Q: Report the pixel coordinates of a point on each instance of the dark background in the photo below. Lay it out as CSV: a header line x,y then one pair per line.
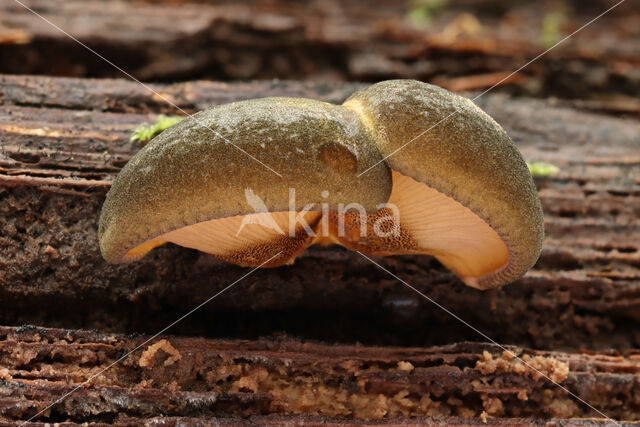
x,y
457,44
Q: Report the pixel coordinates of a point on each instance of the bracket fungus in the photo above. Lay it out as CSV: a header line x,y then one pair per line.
x,y
402,167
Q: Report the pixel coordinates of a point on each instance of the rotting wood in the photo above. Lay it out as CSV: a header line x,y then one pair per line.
x,y
57,161
195,380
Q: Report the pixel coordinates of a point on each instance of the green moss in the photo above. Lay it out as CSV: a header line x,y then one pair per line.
x,y
542,169
422,11
147,131
550,32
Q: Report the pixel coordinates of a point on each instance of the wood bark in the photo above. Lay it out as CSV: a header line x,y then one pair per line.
x,y
62,144
58,159
276,380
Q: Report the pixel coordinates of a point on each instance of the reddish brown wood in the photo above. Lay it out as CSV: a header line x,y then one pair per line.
x,y
201,380
63,142
57,162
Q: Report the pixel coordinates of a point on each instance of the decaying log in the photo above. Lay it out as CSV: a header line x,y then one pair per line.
x,y
271,380
64,140
464,45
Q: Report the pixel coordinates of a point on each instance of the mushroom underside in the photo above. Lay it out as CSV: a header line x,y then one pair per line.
x,y
417,219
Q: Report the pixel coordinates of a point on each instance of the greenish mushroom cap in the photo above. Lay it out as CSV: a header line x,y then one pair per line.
x,y
190,173
431,171
448,143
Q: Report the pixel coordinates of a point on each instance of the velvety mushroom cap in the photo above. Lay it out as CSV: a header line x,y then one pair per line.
x,y
429,173
463,192
192,187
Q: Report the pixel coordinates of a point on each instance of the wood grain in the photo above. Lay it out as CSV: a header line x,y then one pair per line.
x,y
275,380
62,144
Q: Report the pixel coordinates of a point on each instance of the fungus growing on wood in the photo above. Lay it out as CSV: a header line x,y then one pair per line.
x,y
402,167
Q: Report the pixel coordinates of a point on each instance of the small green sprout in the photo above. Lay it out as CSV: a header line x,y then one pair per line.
x,y
146,131
422,11
542,169
550,32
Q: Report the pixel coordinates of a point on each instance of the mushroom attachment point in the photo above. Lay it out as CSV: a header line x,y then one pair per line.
x,y
402,167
